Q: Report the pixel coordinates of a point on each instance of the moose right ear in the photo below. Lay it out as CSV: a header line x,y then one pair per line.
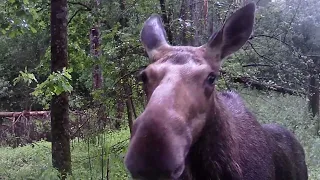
x,y
233,35
153,35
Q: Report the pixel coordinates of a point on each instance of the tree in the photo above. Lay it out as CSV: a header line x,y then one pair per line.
x,y
61,156
307,40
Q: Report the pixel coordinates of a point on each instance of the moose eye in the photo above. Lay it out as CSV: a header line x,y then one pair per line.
x,y
143,77
211,79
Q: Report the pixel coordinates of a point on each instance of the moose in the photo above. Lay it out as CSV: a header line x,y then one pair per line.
x,y
189,131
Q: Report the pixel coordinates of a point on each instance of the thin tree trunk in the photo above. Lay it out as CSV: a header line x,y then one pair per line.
x,y
130,114
120,109
314,95
95,51
129,104
133,108
166,20
184,15
122,64
60,129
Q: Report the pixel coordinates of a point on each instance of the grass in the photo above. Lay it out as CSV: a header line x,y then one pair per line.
x,y
91,157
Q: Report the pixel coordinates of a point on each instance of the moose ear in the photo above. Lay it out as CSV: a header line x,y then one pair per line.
x,y
233,35
153,35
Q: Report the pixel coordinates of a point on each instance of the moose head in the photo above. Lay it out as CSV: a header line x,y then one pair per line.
x,y
180,87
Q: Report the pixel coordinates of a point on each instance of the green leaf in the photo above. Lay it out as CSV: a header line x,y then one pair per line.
x,y
66,87
67,75
5,25
12,34
20,13
58,90
32,77
33,30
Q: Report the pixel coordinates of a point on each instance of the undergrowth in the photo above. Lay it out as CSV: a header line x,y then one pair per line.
x,y
102,156
92,158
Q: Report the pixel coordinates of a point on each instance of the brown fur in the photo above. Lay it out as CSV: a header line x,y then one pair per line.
x,y
289,157
189,131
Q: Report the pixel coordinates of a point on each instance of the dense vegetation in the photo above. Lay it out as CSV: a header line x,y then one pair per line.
x,y
104,57
90,156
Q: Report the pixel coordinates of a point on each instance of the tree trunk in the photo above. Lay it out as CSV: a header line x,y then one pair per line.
x,y
129,104
130,113
120,109
133,108
166,20
61,156
95,51
123,66
197,13
314,95
185,15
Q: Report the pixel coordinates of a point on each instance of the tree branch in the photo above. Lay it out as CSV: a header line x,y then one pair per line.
x,y
251,83
81,9
262,56
81,4
272,37
256,65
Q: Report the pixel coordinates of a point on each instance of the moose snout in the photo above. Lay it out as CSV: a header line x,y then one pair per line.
x,y
155,173
157,148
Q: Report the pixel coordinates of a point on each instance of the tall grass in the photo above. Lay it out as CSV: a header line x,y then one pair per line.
x,y
101,156
93,158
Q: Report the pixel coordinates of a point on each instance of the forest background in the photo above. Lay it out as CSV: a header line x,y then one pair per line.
x,y
276,72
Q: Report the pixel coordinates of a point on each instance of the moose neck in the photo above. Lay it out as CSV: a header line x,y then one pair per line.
x,y
214,155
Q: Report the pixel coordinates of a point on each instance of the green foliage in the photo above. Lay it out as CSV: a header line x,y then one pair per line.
x,y
25,77
19,16
55,84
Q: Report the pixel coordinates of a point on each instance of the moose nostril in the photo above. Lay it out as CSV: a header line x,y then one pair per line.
x,y
177,172
155,173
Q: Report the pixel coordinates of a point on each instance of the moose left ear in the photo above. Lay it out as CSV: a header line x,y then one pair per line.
x,y
153,35
233,35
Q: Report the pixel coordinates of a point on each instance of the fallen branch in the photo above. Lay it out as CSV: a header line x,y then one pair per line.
x,y
263,86
24,113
